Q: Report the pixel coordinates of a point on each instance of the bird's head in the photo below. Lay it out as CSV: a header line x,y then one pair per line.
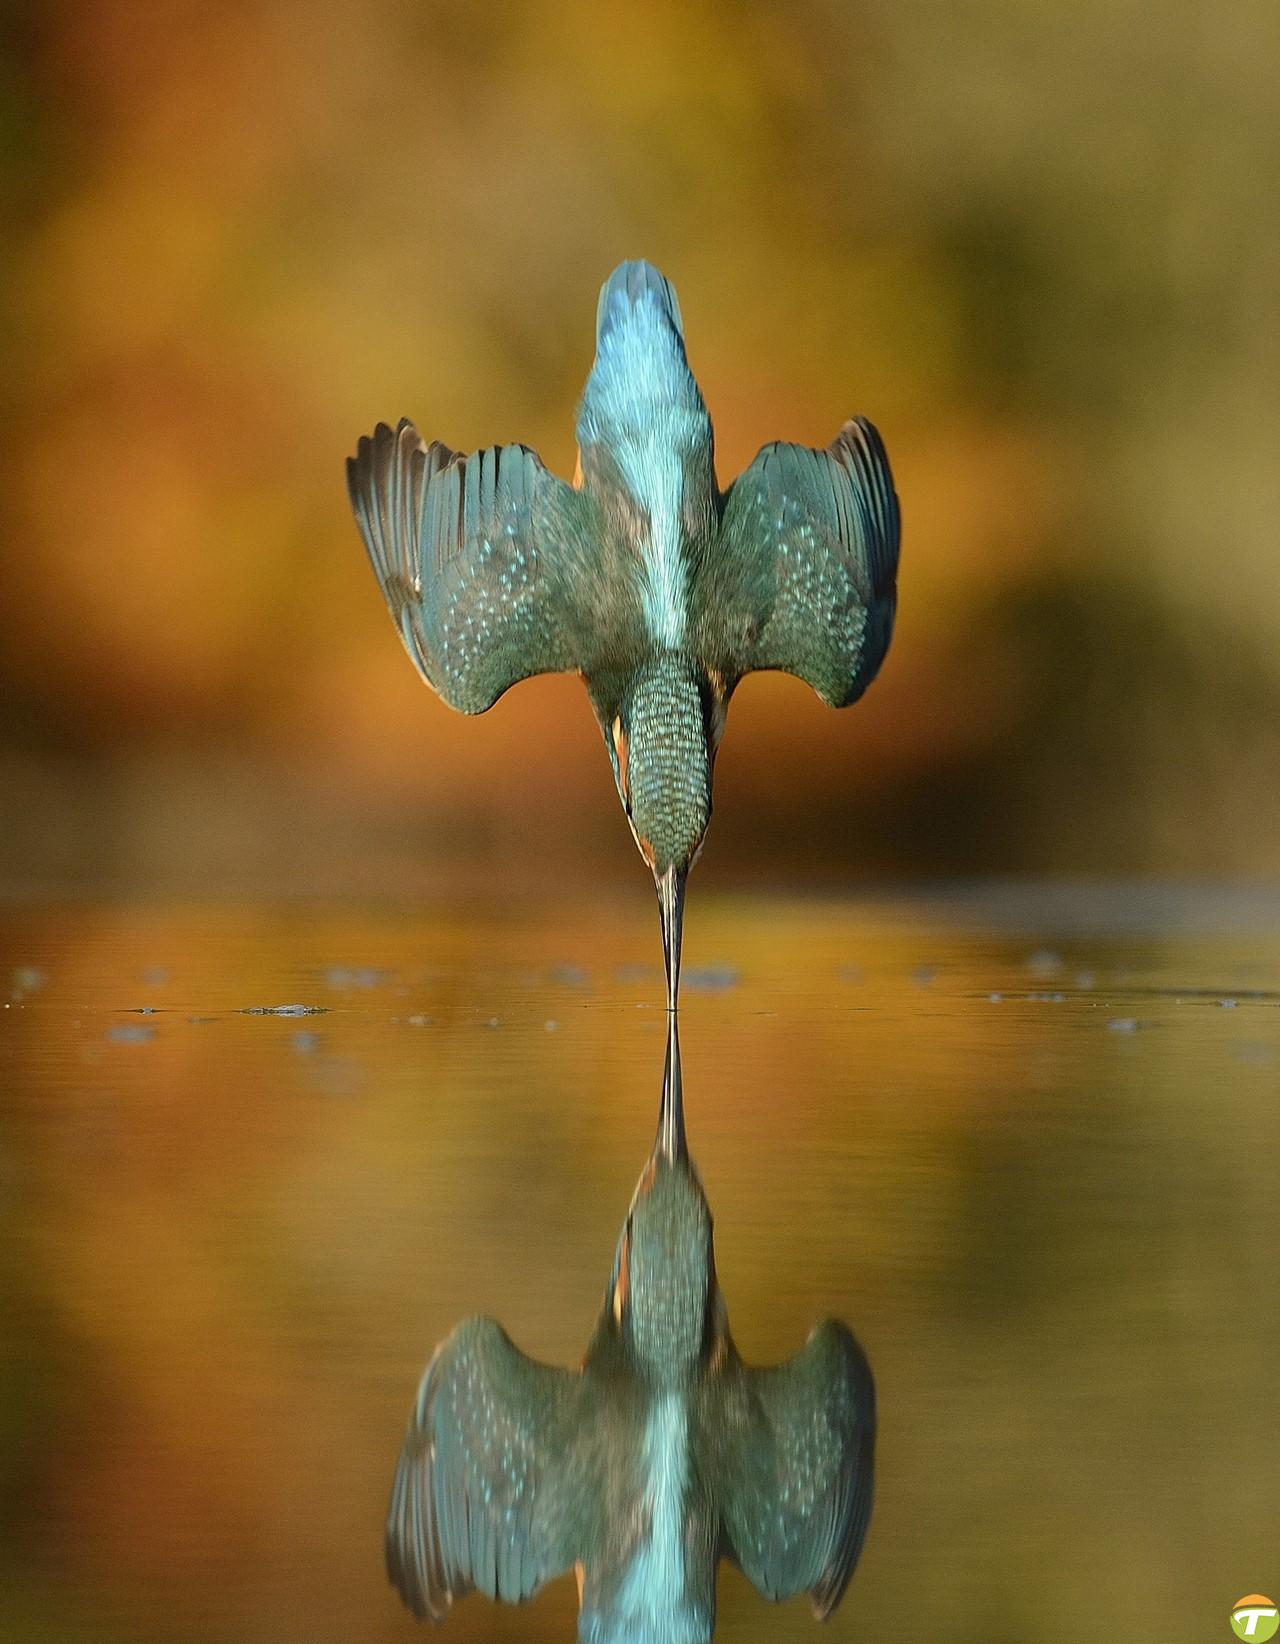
x,y
664,1278
662,741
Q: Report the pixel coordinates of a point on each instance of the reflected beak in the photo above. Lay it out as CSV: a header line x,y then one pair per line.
x,y
671,1144
671,907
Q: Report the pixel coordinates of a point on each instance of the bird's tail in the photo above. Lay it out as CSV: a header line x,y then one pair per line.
x,y
631,286
640,384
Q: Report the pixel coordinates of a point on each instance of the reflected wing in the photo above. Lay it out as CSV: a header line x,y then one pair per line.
x,y
475,557
805,581
481,1496
799,1475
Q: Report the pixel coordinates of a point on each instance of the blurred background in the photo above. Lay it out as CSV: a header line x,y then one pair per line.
x,y
361,1000
1036,244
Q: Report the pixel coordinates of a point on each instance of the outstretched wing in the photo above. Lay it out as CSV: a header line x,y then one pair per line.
x,y
805,579
474,555
482,1495
799,1471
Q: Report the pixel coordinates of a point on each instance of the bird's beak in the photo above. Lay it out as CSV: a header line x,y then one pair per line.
x,y
671,907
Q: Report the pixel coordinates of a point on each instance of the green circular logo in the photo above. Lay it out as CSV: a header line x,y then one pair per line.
x,y
1255,1617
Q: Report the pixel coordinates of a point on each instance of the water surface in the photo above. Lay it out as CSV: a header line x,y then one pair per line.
x,y
256,1160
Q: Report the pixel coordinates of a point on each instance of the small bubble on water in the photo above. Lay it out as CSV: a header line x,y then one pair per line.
x,y
130,1033
710,979
362,976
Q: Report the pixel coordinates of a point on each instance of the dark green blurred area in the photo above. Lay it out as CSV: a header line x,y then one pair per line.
x,y
1035,243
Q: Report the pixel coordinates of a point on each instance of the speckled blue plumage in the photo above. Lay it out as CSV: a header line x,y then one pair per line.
x,y
655,585
663,1453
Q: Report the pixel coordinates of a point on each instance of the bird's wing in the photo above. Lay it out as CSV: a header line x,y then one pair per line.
x,y
798,1472
482,1496
475,556
805,577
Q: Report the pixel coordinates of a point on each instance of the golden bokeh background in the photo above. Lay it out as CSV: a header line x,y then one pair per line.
x,y
1036,244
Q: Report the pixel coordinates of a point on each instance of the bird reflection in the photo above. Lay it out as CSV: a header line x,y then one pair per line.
x,y
661,1454
643,577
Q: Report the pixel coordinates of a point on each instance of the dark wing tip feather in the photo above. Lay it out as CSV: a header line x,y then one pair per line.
x,y
860,451
851,1507
412,1546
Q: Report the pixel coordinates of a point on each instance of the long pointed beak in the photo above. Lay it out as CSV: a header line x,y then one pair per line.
x,y
671,1144
671,907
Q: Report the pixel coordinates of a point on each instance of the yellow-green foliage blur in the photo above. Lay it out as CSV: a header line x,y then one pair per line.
x,y
1035,243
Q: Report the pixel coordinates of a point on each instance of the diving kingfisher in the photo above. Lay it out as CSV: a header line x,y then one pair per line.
x,y
642,576
662,1454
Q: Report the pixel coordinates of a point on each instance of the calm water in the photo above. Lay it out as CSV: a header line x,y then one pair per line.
x,y
1026,1144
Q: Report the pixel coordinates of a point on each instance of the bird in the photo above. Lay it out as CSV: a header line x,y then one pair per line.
x,y
661,590
661,1454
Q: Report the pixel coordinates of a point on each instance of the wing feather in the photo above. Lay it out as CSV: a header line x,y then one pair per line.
x,y
806,578
482,1496
799,1470
476,558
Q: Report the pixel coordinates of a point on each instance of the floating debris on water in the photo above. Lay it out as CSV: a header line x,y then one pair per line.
x,y
285,1010
130,1033
1122,1024
710,979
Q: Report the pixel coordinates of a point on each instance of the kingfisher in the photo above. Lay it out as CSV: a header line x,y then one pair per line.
x,y
660,1455
643,576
